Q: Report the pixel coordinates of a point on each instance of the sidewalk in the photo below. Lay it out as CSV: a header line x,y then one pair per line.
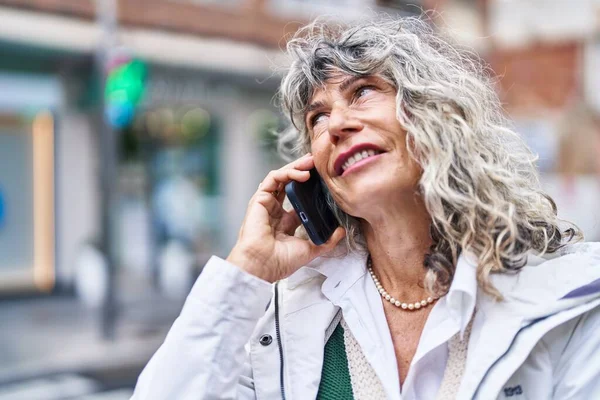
x,y
62,387
45,336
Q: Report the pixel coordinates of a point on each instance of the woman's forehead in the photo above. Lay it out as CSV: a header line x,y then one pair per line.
x,y
340,82
337,81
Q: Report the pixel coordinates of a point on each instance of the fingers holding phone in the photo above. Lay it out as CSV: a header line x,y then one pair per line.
x,y
295,171
290,221
310,203
266,246
271,193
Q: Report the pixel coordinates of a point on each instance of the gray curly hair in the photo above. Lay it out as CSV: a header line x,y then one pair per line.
x,y
479,179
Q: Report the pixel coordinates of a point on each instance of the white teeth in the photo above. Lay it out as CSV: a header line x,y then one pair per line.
x,y
357,157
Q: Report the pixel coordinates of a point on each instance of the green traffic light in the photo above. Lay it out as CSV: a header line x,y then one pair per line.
x,y
126,83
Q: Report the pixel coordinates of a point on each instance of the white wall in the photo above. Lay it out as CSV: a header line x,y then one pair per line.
x,y
20,92
577,199
520,22
591,75
154,45
77,190
343,9
242,166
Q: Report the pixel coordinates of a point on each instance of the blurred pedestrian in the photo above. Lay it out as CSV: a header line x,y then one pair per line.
x,y
455,279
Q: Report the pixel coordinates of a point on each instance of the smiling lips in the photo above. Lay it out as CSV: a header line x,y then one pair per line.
x,y
355,154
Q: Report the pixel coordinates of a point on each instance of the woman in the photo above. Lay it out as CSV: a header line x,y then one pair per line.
x,y
455,278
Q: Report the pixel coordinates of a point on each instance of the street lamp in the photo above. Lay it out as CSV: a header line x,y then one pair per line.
x,y
106,11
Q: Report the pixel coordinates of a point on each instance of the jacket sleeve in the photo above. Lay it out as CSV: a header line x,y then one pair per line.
x,y
577,375
203,355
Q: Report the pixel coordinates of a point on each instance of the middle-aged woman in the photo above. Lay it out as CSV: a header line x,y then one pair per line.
x,y
450,277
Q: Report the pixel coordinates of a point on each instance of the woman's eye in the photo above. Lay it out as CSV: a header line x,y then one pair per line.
x,y
361,91
317,118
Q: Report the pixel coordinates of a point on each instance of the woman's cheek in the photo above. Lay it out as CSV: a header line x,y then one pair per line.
x,y
320,156
337,196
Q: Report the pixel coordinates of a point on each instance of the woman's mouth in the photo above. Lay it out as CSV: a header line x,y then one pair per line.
x,y
358,156
360,161
355,157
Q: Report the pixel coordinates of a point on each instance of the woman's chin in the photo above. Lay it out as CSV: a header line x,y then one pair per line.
x,y
368,194
375,192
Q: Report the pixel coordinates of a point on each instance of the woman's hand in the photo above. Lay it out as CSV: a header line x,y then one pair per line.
x,y
266,245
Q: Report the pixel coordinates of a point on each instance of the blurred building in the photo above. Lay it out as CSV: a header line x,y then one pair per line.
x,y
546,55
200,122
198,147
200,142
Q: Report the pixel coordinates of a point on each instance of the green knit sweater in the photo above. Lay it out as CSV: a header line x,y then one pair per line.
x,y
335,377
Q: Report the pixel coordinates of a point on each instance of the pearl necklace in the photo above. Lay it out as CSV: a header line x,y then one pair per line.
x,y
405,306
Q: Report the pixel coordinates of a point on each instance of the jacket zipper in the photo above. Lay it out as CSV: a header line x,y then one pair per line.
x,y
279,344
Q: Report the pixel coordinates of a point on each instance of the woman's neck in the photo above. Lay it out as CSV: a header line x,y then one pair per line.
x,y
398,242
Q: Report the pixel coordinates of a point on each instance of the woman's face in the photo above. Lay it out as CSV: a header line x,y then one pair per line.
x,y
359,147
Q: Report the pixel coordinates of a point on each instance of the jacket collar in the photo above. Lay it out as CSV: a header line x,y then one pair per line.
x,y
546,292
553,282
536,292
573,267
341,269
462,295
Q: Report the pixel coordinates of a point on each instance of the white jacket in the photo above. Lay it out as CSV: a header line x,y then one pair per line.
x,y
232,342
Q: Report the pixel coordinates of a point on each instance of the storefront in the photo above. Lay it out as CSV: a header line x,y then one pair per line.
x,y
27,181
198,147
189,160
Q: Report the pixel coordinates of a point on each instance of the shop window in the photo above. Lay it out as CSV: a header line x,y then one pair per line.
x,y
27,202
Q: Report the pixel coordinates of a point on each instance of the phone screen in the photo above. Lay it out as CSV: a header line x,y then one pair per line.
x,y
309,200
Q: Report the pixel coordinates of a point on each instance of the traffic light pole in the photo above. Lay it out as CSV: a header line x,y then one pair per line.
x,y
106,11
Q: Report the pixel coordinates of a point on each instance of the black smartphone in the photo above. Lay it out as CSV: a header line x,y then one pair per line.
x,y
309,201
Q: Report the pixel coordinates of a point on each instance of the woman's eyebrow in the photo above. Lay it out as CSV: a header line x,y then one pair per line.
x,y
346,83
314,106
349,81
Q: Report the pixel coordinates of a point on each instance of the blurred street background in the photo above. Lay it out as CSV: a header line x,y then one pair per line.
x,y
133,133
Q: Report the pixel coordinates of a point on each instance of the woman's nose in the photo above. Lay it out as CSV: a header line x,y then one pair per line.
x,y
342,122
